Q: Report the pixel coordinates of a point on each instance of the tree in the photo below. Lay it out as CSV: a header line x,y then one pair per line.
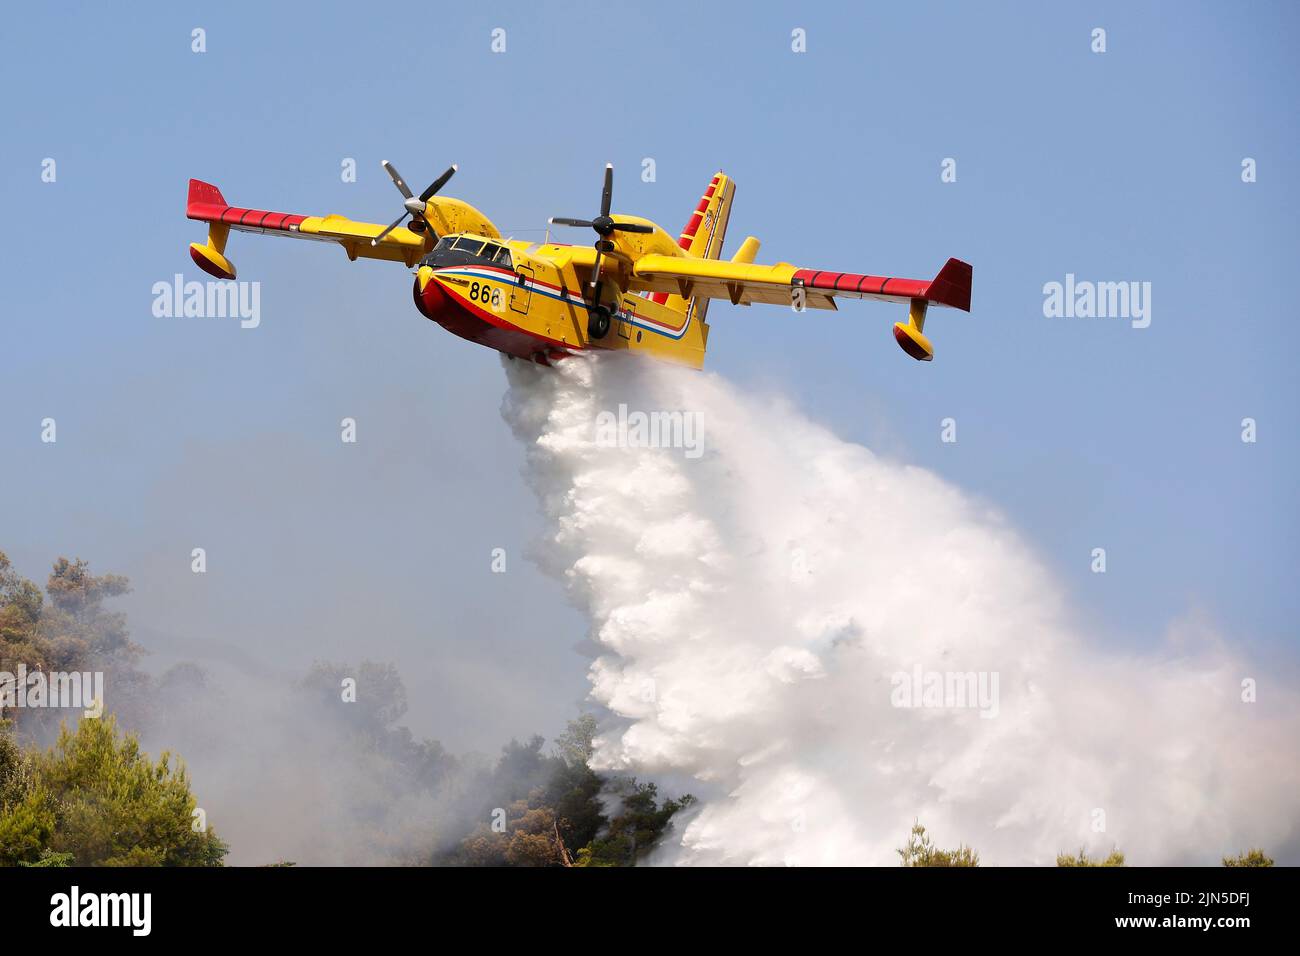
x,y
553,804
531,838
1252,857
921,851
574,788
371,718
71,632
76,626
1116,858
26,828
21,602
26,820
535,841
575,745
15,772
635,828
380,694
96,800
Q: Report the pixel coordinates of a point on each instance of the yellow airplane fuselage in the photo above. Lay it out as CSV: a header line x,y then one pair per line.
x,y
528,300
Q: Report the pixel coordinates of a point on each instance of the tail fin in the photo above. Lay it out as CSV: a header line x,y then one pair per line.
x,y
703,238
203,194
707,226
951,287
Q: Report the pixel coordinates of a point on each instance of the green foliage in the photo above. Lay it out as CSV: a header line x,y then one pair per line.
x,y
1252,857
635,828
574,745
548,803
15,771
1116,858
50,859
21,602
921,851
70,632
553,804
26,828
95,799
26,820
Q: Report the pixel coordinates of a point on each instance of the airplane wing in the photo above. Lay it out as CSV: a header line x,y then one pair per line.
x,y
744,283
206,204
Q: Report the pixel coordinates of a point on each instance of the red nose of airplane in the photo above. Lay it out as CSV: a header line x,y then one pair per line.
x,y
430,297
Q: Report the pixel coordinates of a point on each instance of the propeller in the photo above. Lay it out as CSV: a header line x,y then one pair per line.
x,y
414,206
605,227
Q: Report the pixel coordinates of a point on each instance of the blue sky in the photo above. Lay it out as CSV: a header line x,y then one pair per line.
x,y
1085,432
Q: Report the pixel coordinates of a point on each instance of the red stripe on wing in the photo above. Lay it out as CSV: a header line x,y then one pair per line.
x,y
862,284
206,204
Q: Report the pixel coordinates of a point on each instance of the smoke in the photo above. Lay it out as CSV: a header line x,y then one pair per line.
x,y
284,769
773,614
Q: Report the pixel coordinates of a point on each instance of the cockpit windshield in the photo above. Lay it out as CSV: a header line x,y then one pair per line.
x,y
460,249
492,252
469,245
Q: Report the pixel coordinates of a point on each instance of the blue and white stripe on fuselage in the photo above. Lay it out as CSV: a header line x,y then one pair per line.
x,y
537,287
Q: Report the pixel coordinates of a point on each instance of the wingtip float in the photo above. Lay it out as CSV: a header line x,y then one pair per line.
x,y
637,288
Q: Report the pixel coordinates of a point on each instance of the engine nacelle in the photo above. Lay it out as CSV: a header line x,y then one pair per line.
x,y
910,337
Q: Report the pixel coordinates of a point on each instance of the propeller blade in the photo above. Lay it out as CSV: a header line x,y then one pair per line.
x,y
398,181
438,183
607,196
562,221
633,227
379,238
595,278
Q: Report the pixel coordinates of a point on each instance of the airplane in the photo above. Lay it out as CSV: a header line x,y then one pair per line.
x,y
638,289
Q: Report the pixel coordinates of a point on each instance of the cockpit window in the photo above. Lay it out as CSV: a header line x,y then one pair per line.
x,y
496,254
483,249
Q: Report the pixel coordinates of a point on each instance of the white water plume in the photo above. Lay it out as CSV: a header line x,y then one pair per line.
x,y
756,608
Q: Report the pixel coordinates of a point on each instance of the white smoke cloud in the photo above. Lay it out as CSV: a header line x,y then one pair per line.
x,y
752,606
